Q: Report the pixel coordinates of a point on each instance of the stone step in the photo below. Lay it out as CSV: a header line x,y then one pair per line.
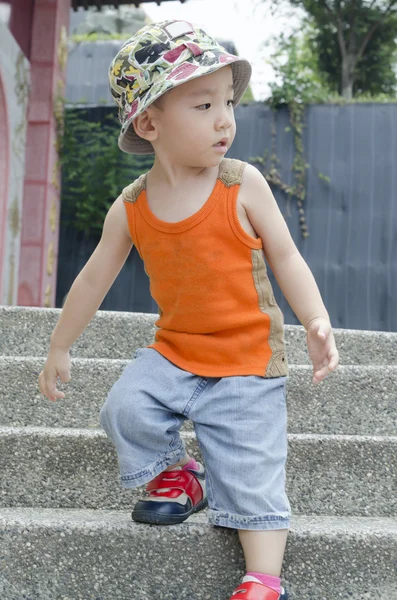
x,y
77,468
103,555
358,400
25,331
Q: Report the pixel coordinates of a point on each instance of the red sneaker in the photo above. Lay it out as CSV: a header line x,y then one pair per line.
x,y
173,496
256,591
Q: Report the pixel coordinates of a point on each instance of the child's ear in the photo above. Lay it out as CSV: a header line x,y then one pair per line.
x,y
145,127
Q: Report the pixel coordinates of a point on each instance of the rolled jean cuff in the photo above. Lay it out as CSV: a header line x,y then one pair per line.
x,y
133,480
259,523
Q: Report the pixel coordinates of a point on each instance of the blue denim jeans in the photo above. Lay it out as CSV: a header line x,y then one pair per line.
x,y
241,427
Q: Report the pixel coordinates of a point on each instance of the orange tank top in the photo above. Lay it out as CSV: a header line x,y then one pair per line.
x,y
217,312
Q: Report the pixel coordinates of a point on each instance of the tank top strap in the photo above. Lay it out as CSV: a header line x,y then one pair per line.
x,y
231,171
132,192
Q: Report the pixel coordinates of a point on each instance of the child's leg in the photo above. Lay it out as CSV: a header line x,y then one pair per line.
x,y
142,415
241,425
141,421
264,550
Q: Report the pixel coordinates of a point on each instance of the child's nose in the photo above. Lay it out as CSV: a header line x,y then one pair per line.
x,y
224,120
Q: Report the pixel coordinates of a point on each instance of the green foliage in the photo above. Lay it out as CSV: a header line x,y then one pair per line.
x,y
374,72
308,67
322,9
297,75
94,169
366,29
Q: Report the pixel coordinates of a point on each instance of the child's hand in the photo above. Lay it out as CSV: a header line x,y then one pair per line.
x,y
57,365
322,349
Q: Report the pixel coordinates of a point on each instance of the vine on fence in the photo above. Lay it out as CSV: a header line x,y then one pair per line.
x,y
300,86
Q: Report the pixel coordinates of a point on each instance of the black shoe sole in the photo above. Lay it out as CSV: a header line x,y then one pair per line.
x,y
147,516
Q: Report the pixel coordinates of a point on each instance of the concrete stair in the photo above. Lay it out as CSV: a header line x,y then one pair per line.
x,y
118,334
358,400
66,530
77,468
97,554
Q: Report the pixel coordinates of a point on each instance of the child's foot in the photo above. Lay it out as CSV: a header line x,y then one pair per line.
x,y
253,589
173,496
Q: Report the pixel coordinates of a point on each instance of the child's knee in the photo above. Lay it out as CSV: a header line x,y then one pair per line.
x,y
119,411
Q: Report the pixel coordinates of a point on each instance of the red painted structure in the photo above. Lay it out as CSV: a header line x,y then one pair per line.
x,y
40,28
21,23
39,243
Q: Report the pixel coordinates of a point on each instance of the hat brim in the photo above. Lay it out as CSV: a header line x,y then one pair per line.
x,y
132,143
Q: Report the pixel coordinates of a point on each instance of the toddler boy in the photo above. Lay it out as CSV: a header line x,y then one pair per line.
x,y
202,225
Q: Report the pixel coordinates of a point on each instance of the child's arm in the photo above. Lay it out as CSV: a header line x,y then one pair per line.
x,y
85,296
291,271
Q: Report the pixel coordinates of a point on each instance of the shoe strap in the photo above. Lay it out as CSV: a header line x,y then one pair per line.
x,y
177,480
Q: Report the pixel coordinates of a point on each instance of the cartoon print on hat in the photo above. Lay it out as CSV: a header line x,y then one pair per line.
x,y
158,58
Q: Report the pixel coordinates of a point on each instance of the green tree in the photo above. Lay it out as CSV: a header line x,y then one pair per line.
x,y
375,72
353,24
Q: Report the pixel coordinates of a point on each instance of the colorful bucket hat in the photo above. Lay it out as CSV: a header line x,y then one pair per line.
x,y
158,58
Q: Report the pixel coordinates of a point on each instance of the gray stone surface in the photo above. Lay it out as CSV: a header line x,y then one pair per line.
x,y
21,402
354,400
103,555
116,335
334,475
55,460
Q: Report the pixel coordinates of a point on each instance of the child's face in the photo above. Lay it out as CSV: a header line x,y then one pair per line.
x,y
194,117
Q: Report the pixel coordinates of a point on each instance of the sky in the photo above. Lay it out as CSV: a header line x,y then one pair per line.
x,y
248,23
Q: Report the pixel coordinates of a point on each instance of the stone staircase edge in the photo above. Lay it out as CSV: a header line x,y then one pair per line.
x,y
154,316
74,432
310,524
76,360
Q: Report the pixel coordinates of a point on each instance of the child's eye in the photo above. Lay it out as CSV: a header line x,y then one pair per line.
x,y
204,106
230,103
